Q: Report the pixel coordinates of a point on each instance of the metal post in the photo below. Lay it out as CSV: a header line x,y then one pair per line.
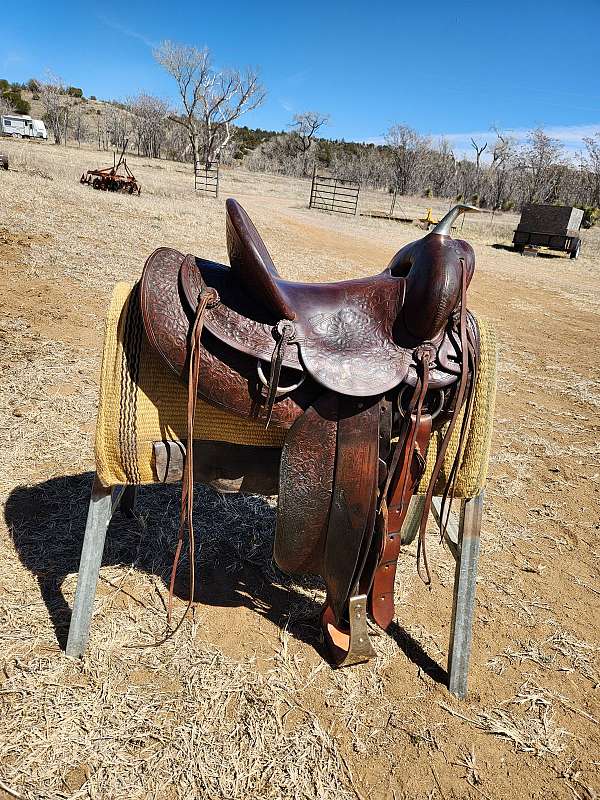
x,y
463,605
312,187
98,519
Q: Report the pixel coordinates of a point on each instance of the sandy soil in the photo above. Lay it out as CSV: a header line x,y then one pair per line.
x,y
240,703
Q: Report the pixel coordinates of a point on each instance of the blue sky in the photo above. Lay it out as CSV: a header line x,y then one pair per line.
x,y
444,68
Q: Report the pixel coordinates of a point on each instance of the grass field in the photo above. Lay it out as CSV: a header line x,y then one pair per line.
x,y
239,704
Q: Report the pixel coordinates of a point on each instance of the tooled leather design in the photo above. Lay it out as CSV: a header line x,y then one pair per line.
x,y
350,349
238,330
232,387
305,488
243,333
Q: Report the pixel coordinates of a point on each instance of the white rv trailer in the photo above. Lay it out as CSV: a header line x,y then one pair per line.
x,y
21,125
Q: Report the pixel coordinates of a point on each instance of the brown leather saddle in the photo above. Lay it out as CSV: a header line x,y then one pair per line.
x,y
359,372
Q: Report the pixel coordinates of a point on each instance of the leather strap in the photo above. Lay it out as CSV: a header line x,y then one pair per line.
x,y
285,331
207,297
392,516
460,397
351,518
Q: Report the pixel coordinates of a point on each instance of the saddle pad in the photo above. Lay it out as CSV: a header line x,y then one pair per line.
x,y
473,468
141,403
129,422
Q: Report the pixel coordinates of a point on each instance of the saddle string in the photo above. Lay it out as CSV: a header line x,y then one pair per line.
x,y
460,396
450,488
207,297
285,330
409,428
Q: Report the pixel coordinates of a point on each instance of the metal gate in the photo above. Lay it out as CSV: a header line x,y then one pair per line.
x,y
334,194
206,179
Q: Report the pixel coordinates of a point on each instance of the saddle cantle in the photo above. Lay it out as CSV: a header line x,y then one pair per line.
x,y
361,372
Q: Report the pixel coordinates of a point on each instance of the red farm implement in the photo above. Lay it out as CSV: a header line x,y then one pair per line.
x,y
118,178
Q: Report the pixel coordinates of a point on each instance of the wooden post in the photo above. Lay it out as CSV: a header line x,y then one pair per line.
x,y
98,519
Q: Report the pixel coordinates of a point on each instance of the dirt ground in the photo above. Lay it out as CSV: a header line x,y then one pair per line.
x,y
240,703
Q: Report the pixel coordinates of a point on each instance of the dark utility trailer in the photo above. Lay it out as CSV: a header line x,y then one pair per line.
x,y
554,227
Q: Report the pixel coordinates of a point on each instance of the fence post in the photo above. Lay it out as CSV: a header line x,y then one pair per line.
x,y
312,187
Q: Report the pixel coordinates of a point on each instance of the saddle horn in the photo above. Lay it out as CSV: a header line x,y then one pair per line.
x,y
444,226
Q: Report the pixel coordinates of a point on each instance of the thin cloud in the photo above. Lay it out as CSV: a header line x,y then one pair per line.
x,y
116,26
298,78
11,58
571,136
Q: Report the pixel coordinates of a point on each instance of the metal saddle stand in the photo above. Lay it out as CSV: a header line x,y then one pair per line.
x,y
461,536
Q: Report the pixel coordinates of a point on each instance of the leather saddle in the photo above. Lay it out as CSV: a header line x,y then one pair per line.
x,y
359,372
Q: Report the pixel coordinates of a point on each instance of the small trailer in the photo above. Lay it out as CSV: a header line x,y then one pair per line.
x,y
553,227
22,126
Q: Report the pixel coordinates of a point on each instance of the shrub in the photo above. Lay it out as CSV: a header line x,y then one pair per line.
x,y
591,215
427,193
475,199
93,97
507,205
74,91
458,198
17,103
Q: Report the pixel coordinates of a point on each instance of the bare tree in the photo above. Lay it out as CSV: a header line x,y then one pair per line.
x,y
442,170
540,161
501,169
53,97
79,123
118,126
212,99
149,115
304,130
479,150
410,152
591,166
5,106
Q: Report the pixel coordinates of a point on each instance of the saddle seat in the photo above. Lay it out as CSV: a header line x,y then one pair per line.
x,y
355,337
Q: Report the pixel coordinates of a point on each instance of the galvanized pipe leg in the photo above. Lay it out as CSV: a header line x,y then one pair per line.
x,y
463,605
98,519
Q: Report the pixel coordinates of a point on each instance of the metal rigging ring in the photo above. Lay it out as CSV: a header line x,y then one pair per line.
x,y
433,414
280,389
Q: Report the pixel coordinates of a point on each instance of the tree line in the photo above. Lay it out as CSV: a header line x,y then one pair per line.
x,y
502,173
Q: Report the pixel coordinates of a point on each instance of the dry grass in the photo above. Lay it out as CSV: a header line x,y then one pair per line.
x,y
240,704
531,727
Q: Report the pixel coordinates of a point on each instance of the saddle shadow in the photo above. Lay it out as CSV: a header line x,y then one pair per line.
x,y
234,566
234,536
414,651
